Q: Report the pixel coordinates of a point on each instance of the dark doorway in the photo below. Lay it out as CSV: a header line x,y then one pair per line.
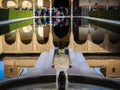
x,y
61,3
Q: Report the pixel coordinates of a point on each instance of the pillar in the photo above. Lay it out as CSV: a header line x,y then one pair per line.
x,y
33,7
1,3
50,33
89,5
71,40
106,41
18,40
107,4
89,41
51,39
34,40
17,3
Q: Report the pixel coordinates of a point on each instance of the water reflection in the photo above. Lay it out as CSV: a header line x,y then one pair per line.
x,y
47,86
71,86
14,26
80,86
96,34
56,11
61,22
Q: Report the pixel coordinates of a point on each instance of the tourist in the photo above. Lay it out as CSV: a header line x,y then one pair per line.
x,y
40,11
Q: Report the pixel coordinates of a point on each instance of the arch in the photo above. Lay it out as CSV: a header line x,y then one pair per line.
x,y
4,3
61,43
11,4
114,38
42,34
61,32
97,35
26,4
26,34
83,34
10,38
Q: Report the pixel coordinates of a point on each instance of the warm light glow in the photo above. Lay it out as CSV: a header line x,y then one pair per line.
x,y
11,4
26,4
40,3
40,31
27,29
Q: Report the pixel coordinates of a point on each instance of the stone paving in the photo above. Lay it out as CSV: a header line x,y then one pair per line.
x,y
61,62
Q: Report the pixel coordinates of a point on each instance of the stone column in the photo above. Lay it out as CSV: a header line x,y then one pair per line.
x,y
106,41
33,7
50,33
107,6
1,45
71,40
50,7
17,3
34,40
20,3
18,40
51,39
1,3
89,39
89,5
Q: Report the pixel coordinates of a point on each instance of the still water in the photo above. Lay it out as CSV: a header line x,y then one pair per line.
x,y
52,86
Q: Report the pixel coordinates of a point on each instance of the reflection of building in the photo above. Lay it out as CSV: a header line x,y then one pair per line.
x,y
85,38
23,3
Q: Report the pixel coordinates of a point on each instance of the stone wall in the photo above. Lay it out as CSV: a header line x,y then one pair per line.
x,y
11,69
112,66
13,65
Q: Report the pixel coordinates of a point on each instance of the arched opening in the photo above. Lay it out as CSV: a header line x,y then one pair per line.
x,y
11,4
62,34
77,30
42,34
61,31
97,35
10,38
114,38
26,4
82,35
26,34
